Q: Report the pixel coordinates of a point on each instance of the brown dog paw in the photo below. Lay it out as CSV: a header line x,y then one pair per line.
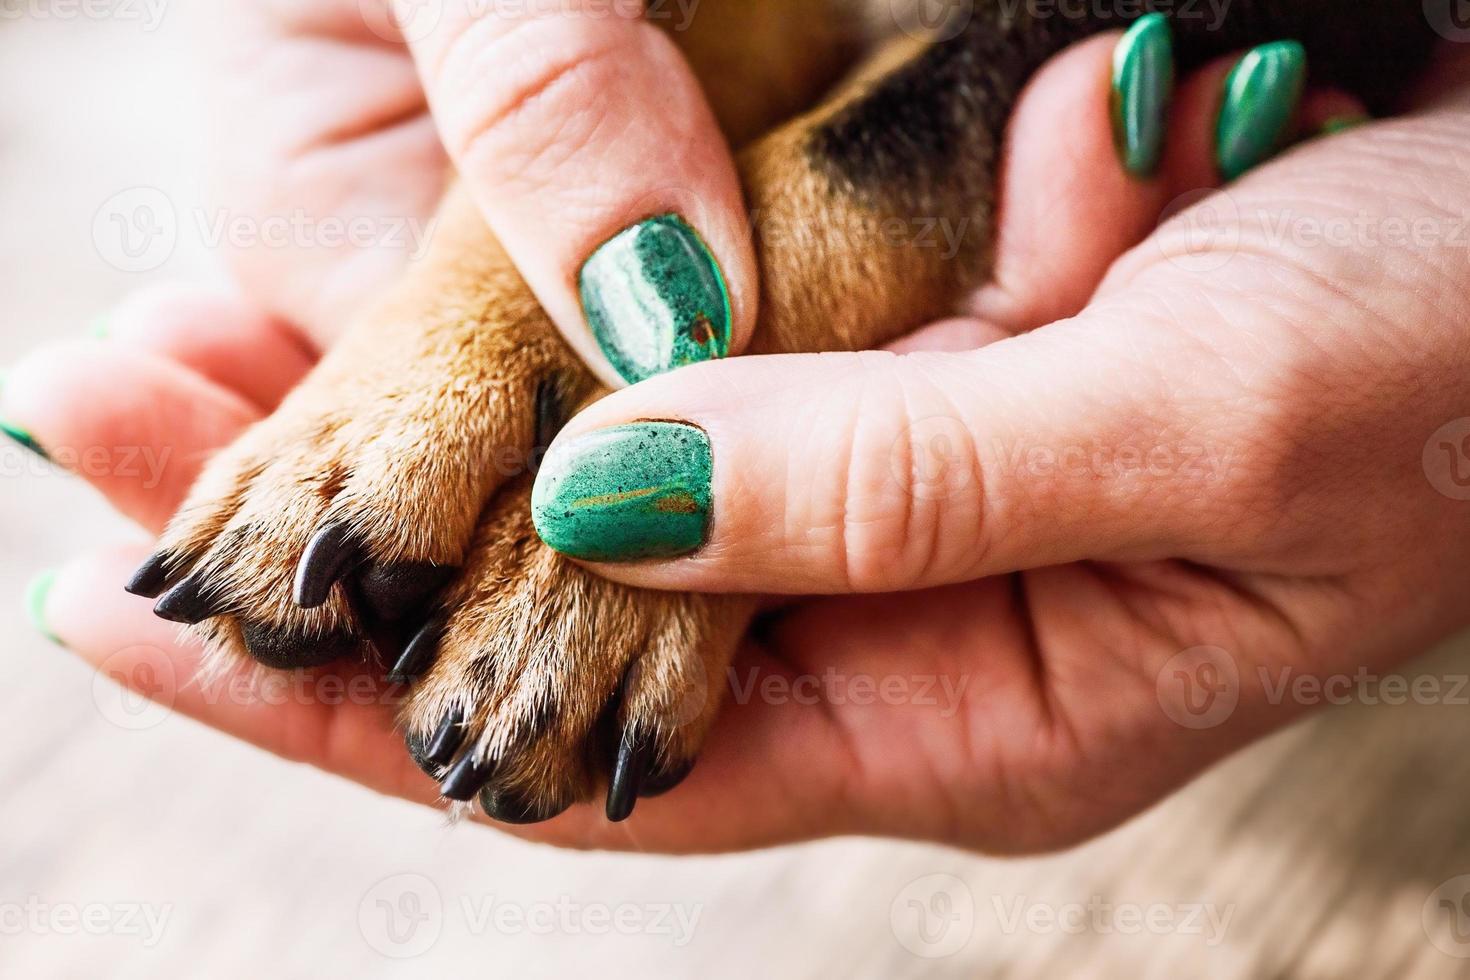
x,y
539,683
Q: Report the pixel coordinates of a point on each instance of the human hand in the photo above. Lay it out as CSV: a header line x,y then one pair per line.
x,y
977,774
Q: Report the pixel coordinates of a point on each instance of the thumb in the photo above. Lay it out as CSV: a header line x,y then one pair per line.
x,y
584,137
881,472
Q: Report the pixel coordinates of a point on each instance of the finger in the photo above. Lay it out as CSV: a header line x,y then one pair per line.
x,y
1056,236
875,472
340,722
136,427
1233,115
220,337
587,142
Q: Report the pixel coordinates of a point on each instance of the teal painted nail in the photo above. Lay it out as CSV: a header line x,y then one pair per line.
x,y
1261,97
629,492
655,299
36,594
20,435
1143,84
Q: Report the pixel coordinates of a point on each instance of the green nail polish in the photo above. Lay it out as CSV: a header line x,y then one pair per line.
x,y
36,594
97,329
1143,83
20,435
629,492
1261,97
655,299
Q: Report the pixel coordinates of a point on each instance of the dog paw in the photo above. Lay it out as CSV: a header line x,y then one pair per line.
x,y
371,476
539,684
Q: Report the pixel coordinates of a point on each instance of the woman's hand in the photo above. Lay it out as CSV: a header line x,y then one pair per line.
x,y
1014,711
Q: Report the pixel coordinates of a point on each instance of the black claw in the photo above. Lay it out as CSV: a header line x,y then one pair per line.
x,y
419,654
394,592
629,770
189,602
329,555
509,806
290,650
152,577
447,739
436,751
467,777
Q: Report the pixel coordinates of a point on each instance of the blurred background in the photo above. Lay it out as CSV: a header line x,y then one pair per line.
x,y
137,843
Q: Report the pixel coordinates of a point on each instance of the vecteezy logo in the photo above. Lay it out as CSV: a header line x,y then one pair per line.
x,y
134,688
933,916
934,458
1447,459
1199,688
1449,18
401,916
932,20
1200,230
1446,917
136,230
401,21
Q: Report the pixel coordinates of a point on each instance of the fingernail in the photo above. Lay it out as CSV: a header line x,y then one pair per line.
x,y
1341,124
1143,82
36,594
1261,97
655,299
20,435
626,493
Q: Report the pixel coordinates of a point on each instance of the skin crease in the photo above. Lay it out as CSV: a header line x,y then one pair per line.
x,y
1060,734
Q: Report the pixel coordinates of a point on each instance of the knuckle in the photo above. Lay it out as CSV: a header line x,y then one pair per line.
x,y
907,490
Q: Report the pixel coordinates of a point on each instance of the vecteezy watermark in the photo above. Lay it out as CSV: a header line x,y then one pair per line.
x,y
1446,459
932,20
146,13
1445,917
933,916
138,230
135,687
940,691
1100,917
414,20
144,465
143,921
1449,18
1121,12
404,915
1199,688
1284,685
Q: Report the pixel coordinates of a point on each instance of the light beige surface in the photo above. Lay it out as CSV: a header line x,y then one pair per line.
x,y
1317,854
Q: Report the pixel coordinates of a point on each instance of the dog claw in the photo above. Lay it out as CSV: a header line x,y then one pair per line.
x,y
629,770
446,740
152,577
419,654
187,602
466,778
329,555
